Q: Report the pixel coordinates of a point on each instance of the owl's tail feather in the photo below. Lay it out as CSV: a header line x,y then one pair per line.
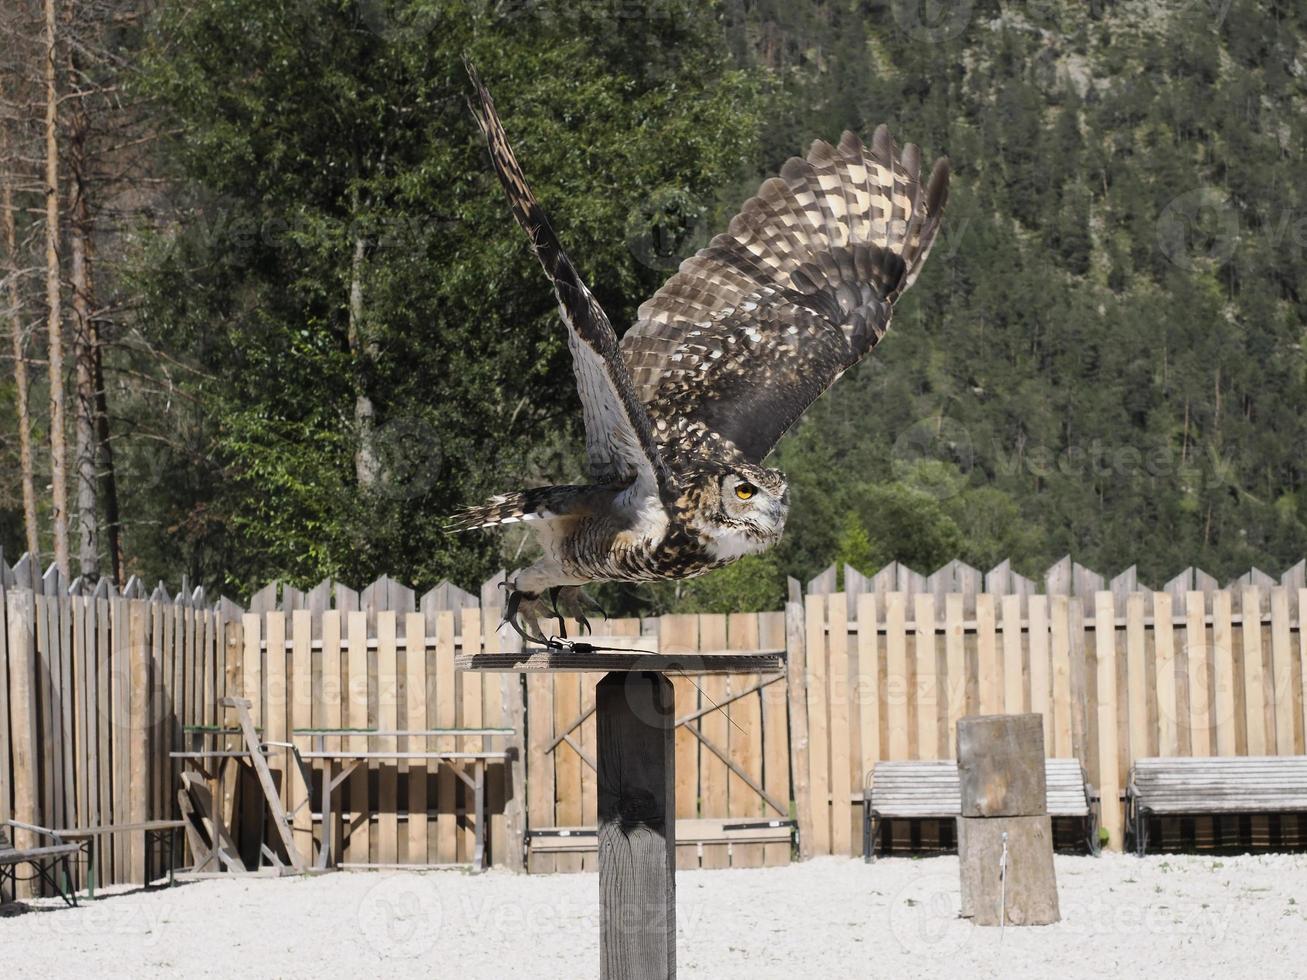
x,y
539,504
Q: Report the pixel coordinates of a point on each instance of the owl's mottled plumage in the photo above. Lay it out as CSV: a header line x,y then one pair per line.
x,y
722,360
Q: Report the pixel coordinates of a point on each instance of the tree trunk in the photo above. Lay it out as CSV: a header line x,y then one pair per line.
x,y
365,456
85,347
54,323
108,475
20,358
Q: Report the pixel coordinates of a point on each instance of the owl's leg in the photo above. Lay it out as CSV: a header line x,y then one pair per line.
x,y
554,593
574,600
522,608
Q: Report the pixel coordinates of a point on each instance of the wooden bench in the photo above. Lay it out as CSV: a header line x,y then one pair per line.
x,y
1212,785
165,830
57,854
931,790
689,833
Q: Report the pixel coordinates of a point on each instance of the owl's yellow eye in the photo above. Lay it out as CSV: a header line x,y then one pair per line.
x,y
745,490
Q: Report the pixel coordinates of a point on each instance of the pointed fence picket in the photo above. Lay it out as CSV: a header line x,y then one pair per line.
x,y
97,687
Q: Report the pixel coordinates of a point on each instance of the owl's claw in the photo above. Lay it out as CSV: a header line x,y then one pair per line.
x,y
524,607
515,616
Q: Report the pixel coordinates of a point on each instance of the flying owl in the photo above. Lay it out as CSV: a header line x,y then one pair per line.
x,y
682,411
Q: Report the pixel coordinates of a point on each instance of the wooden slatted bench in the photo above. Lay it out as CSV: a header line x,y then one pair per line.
x,y
931,790
58,854
1173,786
689,832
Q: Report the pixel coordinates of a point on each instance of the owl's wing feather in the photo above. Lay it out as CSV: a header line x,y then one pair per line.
x,y
619,441
747,334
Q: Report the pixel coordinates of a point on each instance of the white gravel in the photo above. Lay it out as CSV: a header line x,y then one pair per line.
x,y
1164,916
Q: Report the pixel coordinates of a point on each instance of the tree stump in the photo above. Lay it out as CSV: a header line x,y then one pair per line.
x,y
1001,768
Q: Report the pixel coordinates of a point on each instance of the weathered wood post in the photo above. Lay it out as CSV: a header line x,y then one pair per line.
x,y
637,826
636,726
1005,836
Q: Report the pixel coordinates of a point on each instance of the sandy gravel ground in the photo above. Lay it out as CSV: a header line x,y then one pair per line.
x,y
1160,917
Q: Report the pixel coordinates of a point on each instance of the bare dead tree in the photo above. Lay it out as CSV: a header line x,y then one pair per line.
x,y
21,380
85,338
53,295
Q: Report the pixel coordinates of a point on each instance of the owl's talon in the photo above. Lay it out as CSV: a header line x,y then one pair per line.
x,y
515,616
583,624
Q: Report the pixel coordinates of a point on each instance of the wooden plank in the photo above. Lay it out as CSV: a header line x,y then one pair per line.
x,y
46,694
744,740
540,761
104,728
775,735
20,620
637,883
387,720
356,790
1253,671
335,709
1223,717
1060,629
989,671
956,666
1198,685
119,735
81,750
868,690
138,811
1282,686
492,716
897,692
680,635
796,676
818,723
301,713
1109,775
415,718
275,701
1014,674
252,666
447,717
1136,674
568,811
926,688
1041,679
569,661
843,779
1168,706
713,774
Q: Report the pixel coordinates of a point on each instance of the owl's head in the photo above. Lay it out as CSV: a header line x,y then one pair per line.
x,y
741,507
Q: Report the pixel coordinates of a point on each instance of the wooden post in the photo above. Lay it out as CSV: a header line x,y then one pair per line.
x,y
1005,836
637,831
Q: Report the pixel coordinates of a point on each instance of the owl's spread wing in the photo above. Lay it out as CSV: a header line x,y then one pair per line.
x,y
619,441
747,334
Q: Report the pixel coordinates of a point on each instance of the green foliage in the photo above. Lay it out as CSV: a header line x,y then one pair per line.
x,y
1103,355
327,150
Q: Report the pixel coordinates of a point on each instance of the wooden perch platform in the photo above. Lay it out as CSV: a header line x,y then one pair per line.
x,y
546,660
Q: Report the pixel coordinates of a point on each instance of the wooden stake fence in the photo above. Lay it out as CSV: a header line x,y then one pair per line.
x,y
97,686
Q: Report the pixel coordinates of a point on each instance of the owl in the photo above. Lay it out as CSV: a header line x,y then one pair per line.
x,y
681,413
